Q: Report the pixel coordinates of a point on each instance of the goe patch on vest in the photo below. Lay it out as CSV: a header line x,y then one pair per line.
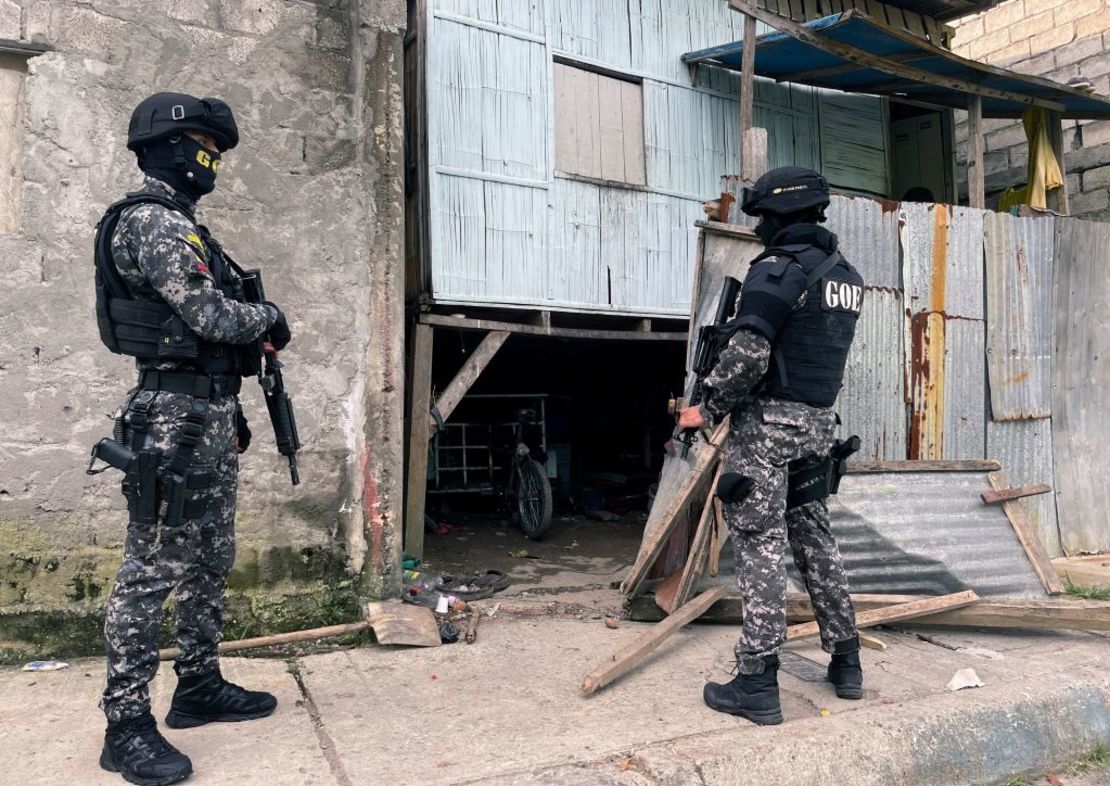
x,y
841,296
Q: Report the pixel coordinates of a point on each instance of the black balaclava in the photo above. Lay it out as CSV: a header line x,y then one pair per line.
x,y
770,224
183,162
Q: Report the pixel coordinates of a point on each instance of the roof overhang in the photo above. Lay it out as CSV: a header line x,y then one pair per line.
x,y
855,53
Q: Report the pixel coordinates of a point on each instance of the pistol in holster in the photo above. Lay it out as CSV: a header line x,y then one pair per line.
x,y
141,479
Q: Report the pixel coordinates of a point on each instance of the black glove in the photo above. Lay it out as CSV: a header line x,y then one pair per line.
x,y
242,430
279,331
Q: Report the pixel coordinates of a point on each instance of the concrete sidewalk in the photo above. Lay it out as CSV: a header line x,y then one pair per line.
x,y
507,710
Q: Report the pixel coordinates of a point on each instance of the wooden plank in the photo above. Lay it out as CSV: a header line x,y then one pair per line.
x,y
420,419
896,613
634,654
699,547
1057,198
588,124
976,174
467,375
915,24
666,592
880,63
632,119
610,119
754,161
872,642
1027,536
812,11
698,476
273,640
957,465
466,323
1004,495
719,535
1084,571
566,124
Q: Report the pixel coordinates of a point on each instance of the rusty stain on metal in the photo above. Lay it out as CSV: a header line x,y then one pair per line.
x,y
927,363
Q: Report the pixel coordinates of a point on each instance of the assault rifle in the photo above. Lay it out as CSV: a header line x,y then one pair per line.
x,y
278,402
712,338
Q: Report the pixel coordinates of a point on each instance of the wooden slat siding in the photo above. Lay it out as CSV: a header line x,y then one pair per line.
x,y
611,128
915,24
882,64
588,122
699,547
1027,536
797,11
466,323
566,125
876,10
631,656
632,117
812,11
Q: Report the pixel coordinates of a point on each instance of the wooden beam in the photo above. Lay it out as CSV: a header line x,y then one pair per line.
x,y
955,465
976,173
629,657
653,545
847,68
1027,536
755,156
420,419
1005,495
872,642
896,613
1057,198
1084,571
466,323
699,547
747,98
880,63
466,377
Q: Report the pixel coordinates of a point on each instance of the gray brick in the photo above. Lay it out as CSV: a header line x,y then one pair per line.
x,y
1079,50
1098,178
1089,157
1036,66
1088,202
9,19
1011,135
997,161
1094,67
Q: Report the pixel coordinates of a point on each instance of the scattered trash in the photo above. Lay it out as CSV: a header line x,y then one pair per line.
x,y
521,554
573,545
476,586
443,605
824,713
472,627
434,677
602,515
612,622
494,610
46,665
448,633
1053,779
965,678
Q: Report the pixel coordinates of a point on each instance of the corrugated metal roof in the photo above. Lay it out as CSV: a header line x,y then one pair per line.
x,y
1024,448
785,58
965,383
1019,254
1081,377
928,533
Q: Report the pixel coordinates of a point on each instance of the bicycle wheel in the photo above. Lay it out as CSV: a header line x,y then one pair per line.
x,y
532,504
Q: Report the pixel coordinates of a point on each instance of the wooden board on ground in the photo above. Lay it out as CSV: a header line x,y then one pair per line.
x,y
403,623
896,613
1093,571
1005,495
626,659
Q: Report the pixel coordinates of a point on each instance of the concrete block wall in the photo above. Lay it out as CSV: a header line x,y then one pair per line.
x,y
1058,40
312,195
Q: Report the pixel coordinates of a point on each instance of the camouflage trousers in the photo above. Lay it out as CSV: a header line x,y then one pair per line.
x,y
192,558
765,436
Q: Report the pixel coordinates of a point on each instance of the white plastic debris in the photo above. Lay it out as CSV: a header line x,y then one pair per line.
x,y
965,678
46,665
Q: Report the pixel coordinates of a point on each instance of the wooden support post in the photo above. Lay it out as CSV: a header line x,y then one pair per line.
x,y
1057,198
420,418
976,174
753,141
466,376
631,656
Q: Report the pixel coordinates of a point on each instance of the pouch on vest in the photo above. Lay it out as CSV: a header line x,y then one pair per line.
x,y
176,341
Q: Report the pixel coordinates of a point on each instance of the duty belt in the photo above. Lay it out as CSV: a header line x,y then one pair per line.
x,y
215,386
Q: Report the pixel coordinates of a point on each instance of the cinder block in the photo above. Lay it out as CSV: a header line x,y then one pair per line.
x,y
10,13
1051,39
1093,24
1094,179
1086,202
1030,26
1079,50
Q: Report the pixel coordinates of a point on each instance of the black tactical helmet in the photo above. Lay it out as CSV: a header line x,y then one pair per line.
x,y
787,189
167,114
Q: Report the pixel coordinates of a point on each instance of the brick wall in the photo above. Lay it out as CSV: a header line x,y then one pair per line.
x,y
1056,39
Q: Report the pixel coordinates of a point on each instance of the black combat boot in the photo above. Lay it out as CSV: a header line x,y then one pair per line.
x,y
751,696
137,750
845,671
209,697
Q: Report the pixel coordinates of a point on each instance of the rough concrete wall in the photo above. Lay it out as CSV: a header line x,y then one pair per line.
x,y
1056,39
313,195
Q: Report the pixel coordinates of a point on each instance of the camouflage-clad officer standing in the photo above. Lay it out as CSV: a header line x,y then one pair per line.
x,y
167,296
779,376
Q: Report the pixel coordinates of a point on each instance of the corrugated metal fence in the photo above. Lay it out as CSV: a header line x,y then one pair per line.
x,y
983,337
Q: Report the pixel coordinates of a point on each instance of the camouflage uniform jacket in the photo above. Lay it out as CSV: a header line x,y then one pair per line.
x,y
161,257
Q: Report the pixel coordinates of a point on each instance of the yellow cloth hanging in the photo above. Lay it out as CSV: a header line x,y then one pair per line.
x,y
1043,169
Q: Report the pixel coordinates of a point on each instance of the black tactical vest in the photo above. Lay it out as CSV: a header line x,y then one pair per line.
x,y
152,331
809,354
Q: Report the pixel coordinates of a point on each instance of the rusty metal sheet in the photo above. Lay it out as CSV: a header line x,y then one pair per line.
x,y
1019,262
1080,380
1024,448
